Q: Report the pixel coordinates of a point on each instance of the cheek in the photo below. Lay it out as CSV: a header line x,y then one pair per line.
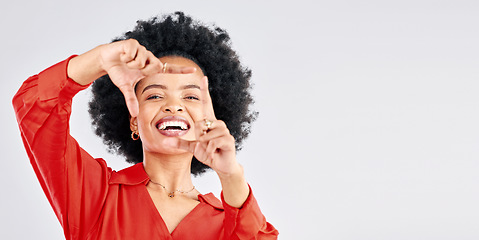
x,y
196,112
142,129
145,118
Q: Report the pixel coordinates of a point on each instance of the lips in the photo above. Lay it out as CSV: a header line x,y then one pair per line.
x,y
173,126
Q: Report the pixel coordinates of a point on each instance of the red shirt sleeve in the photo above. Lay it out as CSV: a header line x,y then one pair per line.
x,y
74,182
247,222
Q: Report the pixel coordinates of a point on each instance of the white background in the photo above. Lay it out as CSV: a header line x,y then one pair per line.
x,y
369,110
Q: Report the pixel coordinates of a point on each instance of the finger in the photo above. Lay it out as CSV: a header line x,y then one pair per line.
x,y
140,60
225,143
200,152
130,50
182,144
213,134
201,127
199,131
211,148
216,128
214,147
176,69
131,100
153,65
208,111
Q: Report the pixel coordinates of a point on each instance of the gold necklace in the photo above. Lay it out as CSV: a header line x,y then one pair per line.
x,y
172,193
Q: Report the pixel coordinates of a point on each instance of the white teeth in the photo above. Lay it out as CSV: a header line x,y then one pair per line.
x,y
179,124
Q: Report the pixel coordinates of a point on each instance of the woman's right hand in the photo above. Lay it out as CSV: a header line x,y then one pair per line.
x,y
126,62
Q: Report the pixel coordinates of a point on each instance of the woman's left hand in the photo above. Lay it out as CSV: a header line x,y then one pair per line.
x,y
214,145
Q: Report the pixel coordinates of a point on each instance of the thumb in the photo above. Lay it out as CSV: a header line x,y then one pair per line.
x,y
182,144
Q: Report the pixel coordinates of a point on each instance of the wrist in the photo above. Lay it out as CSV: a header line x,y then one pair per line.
x,y
235,188
97,52
237,172
87,67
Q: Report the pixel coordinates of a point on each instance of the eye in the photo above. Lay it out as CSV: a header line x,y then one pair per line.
x,y
192,97
154,96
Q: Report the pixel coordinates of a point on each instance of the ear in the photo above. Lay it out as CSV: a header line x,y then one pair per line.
x,y
133,124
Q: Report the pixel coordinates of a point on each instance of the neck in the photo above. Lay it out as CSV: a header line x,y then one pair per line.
x,y
171,171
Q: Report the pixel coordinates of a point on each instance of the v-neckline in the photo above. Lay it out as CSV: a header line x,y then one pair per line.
x,y
164,227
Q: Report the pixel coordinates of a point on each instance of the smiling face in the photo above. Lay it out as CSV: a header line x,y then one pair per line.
x,y
169,105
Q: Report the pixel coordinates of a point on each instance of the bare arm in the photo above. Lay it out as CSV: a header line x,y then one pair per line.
x,y
86,68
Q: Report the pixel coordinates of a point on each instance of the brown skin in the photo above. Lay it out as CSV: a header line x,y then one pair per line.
x,y
167,160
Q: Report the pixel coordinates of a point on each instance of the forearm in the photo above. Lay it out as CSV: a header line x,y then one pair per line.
x,y
235,188
86,68
243,218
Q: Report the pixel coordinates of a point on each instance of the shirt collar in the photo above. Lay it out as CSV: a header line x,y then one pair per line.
x,y
211,200
136,175
133,175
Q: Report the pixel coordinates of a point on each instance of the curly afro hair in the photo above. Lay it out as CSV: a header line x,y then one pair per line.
x,y
209,47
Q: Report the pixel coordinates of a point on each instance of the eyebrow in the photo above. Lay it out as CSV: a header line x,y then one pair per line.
x,y
189,86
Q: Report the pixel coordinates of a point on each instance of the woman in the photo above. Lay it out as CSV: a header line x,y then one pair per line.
x,y
169,119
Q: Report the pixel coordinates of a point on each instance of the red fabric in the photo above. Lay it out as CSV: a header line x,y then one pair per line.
x,y
93,202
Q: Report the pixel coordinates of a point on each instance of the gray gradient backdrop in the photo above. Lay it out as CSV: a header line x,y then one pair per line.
x,y
369,110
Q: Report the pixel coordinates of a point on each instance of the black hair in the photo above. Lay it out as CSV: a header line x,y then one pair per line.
x,y
208,46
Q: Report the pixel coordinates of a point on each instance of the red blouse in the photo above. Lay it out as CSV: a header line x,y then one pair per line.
x,y
92,201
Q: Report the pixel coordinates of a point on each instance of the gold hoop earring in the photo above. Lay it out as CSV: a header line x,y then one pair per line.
x,y
135,136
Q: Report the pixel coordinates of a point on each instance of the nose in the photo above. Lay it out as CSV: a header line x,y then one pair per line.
x,y
172,108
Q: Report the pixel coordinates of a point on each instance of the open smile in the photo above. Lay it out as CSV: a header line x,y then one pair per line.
x,y
173,126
